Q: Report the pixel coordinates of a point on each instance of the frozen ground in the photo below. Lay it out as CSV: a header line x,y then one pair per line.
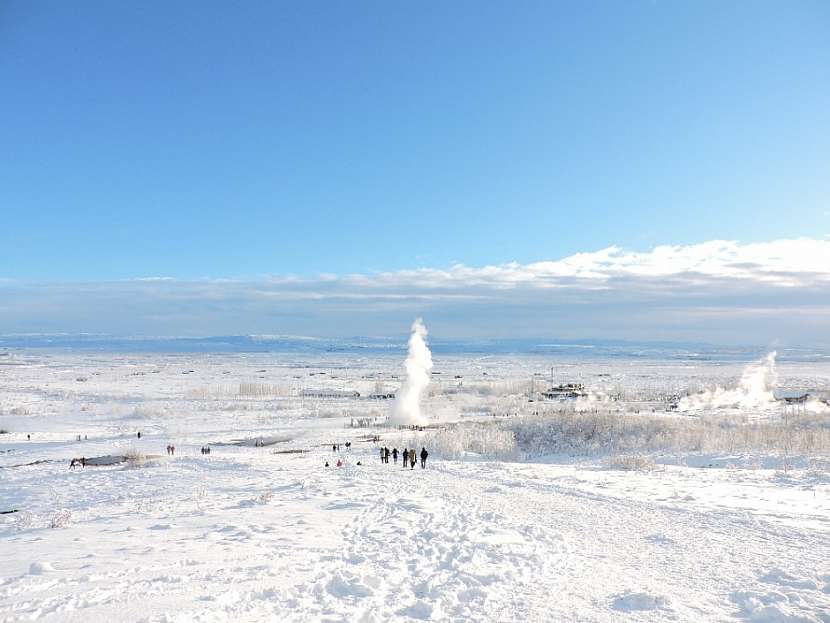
x,y
253,533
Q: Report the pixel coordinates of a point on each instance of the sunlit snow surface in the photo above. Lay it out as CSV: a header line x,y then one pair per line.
x,y
254,533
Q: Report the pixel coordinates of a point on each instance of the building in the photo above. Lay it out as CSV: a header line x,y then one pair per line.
x,y
566,391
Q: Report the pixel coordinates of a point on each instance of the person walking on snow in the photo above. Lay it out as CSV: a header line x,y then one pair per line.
x,y
405,457
412,458
395,455
382,455
424,455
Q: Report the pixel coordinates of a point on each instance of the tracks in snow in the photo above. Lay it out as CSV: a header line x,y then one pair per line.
x,y
426,547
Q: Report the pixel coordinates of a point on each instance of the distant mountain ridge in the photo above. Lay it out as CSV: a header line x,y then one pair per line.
x,y
562,348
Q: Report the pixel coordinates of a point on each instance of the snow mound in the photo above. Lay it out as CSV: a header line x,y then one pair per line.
x,y
631,601
39,568
790,599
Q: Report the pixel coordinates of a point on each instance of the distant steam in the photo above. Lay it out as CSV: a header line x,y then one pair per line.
x,y
754,390
406,409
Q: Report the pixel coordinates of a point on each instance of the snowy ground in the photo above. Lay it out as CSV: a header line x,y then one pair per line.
x,y
251,533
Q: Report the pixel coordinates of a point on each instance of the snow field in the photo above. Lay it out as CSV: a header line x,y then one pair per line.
x,y
254,533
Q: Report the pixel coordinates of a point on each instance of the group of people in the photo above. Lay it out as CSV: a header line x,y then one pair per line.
x,y
409,456
75,462
171,450
205,450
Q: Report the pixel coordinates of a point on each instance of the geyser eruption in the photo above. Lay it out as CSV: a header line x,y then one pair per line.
x,y
406,409
754,390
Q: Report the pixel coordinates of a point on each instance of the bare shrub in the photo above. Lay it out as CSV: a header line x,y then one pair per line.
x,y
24,520
632,462
61,518
457,442
605,432
242,390
145,413
134,456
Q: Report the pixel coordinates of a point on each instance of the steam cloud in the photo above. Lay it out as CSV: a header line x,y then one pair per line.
x,y
407,407
754,390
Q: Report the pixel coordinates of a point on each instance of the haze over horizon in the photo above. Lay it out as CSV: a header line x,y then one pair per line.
x,y
637,171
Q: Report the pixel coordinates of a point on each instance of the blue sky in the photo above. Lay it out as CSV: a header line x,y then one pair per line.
x,y
203,140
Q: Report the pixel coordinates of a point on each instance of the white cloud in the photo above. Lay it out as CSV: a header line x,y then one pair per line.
x,y
788,263
737,292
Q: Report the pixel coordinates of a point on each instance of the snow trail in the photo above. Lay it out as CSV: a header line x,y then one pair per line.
x,y
458,541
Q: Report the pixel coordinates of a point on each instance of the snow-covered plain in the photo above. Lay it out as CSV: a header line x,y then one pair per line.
x,y
253,533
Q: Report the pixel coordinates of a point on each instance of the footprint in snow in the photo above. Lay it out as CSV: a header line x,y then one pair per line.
x,y
419,610
659,539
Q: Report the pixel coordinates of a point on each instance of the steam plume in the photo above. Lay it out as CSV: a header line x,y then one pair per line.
x,y
407,407
754,390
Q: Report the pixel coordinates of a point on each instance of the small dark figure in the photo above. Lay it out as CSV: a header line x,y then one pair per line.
x,y
139,436
359,463
28,437
339,463
405,457
395,455
334,447
72,463
382,455
83,461
327,463
424,455
412,458
172,449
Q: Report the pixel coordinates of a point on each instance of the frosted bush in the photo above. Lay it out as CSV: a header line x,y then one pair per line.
x,y
632,462
60,519
486,441
24,520
146,413
605,432
134,456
